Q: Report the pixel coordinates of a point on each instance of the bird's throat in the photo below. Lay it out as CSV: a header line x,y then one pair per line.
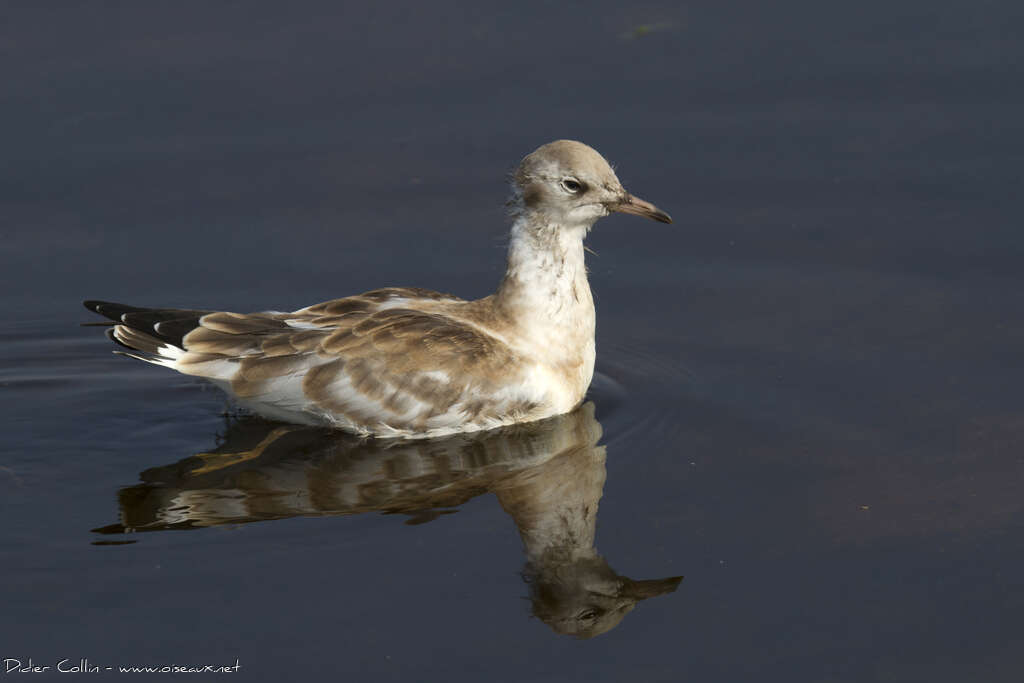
x,y
545,288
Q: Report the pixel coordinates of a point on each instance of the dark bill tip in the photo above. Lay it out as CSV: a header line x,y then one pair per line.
x,y
639,207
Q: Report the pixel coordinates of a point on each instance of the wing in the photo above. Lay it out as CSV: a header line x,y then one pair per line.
x,y
414,371
391,362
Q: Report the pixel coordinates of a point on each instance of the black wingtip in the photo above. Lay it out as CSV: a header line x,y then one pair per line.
x,y
111,310
98,306
167,325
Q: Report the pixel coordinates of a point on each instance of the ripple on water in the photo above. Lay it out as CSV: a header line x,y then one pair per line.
x,y
638,390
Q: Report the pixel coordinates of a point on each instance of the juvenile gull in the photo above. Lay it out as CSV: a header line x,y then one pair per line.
x,y
410,362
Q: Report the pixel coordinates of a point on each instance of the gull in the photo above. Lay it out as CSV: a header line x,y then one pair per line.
x,y
410,362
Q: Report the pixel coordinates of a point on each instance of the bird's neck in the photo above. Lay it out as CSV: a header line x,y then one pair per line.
x,y
554,504
545,286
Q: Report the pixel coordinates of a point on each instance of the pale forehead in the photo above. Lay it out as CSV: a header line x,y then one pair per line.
x,y
566,157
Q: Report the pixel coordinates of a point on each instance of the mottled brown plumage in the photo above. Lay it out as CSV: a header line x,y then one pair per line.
x,y
405,361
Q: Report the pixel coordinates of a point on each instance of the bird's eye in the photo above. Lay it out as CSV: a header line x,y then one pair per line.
x,y
572,186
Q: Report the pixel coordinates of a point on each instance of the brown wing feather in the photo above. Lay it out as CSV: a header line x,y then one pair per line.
x,y
364,362
392,358
370,301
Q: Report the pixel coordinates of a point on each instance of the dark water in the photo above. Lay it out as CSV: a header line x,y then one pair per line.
x,y
809,401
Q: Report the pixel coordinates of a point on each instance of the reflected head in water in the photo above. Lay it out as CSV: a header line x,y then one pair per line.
x,y
586,598
548,476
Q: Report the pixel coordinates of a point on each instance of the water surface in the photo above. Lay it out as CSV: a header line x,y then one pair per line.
x,y
808,401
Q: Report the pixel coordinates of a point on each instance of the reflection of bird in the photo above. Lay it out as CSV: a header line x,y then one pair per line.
x,y
548,475
555,505
404,361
